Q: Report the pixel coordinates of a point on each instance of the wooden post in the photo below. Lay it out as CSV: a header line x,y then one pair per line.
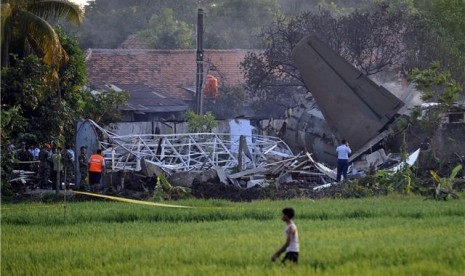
x,y
239,158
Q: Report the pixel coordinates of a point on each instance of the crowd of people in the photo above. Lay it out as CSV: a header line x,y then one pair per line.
x,y
56,166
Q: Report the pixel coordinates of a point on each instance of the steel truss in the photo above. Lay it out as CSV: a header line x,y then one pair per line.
x,y
190,151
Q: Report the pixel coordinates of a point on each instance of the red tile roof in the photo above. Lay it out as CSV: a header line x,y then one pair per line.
x,y
169,71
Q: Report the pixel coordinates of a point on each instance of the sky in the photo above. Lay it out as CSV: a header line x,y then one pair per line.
x,y
80,2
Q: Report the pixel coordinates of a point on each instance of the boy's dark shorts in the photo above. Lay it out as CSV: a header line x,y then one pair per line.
x,y
292,257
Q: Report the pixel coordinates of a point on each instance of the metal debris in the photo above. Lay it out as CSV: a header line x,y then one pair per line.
x,y
238,160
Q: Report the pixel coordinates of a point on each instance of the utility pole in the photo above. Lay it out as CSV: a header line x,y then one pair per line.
x,y
199,59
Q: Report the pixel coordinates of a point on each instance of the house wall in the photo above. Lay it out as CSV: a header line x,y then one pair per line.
x,y
450,140
265,127
130,128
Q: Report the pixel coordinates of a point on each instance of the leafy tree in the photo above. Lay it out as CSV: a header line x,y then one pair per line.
x,y
448,16
100,107
445,185
340,7
24,89
201,122
237,23
165,32
373,41
228,23
25,29
438,86
34,103
109,22
437,34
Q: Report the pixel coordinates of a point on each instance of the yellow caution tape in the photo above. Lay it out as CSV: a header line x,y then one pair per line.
x,y
122,199
127,200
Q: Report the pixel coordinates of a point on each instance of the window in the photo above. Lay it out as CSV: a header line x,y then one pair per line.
x,y
456,118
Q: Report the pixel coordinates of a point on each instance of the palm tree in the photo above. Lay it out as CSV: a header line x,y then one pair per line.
x,y
25,29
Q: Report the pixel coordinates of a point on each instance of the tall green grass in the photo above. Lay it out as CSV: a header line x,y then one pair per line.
x,y
379,236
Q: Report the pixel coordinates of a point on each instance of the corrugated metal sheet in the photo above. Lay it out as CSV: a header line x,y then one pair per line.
x,y
143,98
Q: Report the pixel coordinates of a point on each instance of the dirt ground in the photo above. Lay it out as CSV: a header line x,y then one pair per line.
x,y
142,188
283,191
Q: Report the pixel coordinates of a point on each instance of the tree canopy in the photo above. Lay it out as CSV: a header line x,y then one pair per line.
x,y
228,23
384,37
25,29
39,115
372,41
165,32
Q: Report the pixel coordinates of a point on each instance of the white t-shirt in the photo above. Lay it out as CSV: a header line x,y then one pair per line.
x,y
35,153
72,154
294,245
343,152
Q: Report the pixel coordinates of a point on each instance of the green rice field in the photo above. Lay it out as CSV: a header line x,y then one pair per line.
x,y
377,236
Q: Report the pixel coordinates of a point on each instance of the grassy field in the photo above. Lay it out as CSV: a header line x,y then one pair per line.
x,y
378,236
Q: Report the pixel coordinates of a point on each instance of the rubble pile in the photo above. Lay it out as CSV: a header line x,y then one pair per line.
x,y
21,181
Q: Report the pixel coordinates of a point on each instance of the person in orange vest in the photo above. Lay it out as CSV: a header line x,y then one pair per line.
x,y
96,166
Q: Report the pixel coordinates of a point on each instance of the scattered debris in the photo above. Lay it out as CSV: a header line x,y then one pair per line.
x,y
240,161
250,167
22,180
412,158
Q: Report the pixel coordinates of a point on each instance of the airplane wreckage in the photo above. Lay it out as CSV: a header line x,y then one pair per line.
x,y
344,104
350,105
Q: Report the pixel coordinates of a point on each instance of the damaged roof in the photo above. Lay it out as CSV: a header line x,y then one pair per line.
x,y
167,71
143,98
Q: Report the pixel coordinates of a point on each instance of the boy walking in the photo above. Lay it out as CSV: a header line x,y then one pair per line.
x,y
291,246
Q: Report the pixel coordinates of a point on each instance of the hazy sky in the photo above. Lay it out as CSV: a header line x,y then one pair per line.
x,y
80,2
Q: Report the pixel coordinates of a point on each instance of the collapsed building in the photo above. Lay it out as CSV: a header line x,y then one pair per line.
x,y
239,158
344,104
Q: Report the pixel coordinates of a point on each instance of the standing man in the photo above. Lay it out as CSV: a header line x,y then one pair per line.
x,y
343,152
44,159
71,151
83,169
68,165
96,165
57,167
36,152
24,155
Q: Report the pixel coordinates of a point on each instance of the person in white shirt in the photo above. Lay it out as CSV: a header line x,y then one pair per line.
x,y
35,152
71,152
343,152
291,246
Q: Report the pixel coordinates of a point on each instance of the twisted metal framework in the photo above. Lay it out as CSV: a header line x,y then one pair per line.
x,y
190,151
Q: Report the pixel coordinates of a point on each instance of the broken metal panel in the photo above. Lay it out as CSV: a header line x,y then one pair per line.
x,y
307,131
411,159
355,107
238,127
331,173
